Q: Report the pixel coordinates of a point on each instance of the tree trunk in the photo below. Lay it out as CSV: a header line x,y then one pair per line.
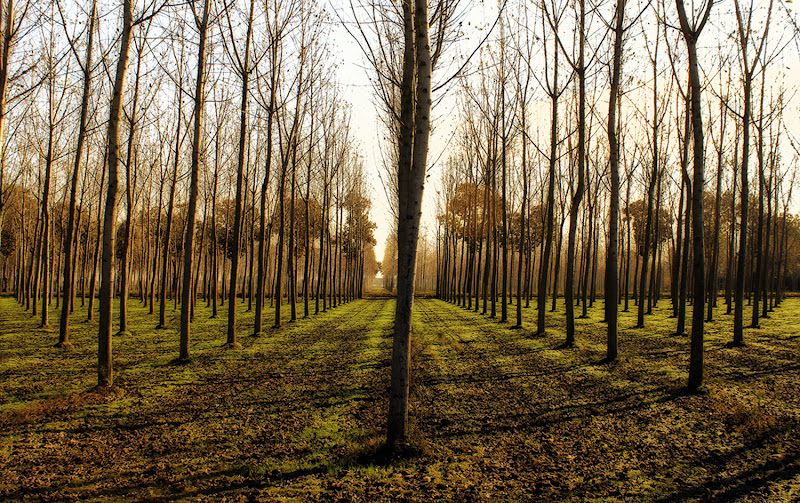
x,y
63,329
690,35
547,237
191,210
104,367
244,71
130,187
415,127
577,196
612,286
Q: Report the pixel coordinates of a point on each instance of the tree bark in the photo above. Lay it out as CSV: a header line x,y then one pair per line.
x,y
191,211
612,259
415,127
63,329
104,367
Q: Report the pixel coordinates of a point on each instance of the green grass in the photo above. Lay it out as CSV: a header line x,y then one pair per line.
x,y
497,414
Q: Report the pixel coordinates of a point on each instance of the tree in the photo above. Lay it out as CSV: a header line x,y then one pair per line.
x,y
415,108
104,368
691,30
104,362
746,37
131,178
56,111
202,22
577,196
658,118
554,93
612,277
277,26
165,246
86,68
11,20
244,68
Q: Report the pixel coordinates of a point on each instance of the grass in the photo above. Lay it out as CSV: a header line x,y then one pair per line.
x,y
497,413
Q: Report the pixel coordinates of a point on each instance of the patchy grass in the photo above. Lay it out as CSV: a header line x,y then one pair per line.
x,y
298,413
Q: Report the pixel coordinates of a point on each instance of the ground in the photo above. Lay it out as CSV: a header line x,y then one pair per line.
x,y
497,414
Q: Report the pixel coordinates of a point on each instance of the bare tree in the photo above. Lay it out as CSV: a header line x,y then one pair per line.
x,y
747,36
691,29
201,19
612,254
415,107
244,67
86,68
11,19
104,363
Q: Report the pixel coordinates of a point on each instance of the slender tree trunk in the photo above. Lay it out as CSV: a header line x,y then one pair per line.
x,y
759,243
550,212
648,230
238,202
130,187
612,260
162,308
627,257
577,196
63,330
745,35
307,201
262,253
291,267
104,367
191,210
45,251
714,273
690,35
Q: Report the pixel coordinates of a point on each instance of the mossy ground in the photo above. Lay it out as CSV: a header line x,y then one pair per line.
x,y
298,413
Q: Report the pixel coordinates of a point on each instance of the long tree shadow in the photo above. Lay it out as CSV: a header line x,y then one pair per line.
x,y
533,420
742,483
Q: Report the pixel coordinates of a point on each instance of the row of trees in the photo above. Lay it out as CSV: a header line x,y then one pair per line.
x,y
206,195
584,141
212,162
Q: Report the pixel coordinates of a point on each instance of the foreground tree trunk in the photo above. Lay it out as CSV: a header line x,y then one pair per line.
x,y
413,159
612,277
691,32
191,211
86,67
104,366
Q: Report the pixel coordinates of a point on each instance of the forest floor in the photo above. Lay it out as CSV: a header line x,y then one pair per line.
x,y
298,414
